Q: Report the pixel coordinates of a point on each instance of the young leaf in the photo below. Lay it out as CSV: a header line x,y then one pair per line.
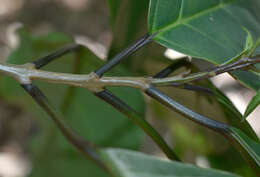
x,y
125,163
253,104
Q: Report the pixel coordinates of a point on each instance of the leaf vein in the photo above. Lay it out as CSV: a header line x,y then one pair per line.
x,y
185,20
208,36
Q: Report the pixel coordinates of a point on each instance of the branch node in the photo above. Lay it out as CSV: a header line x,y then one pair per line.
x,y
94,84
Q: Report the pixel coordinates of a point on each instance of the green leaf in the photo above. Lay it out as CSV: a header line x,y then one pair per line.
x,y
233,116
198,28
251,147
248,79
90,117
212,30
125,163
253,104
243,129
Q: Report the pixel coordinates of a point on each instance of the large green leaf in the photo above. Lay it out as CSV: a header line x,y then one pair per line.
x,y
213,30
91,117
125,163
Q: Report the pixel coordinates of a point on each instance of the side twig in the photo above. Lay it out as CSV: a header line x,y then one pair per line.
x,y
243,63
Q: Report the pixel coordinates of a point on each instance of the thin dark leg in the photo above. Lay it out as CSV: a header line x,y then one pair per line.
x,y
173,67
170,103
39,63
82,145
133,115
123,54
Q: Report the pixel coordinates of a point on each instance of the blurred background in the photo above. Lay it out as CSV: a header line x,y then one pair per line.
x,y
25,147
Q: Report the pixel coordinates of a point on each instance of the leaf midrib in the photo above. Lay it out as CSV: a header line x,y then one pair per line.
x,y
197,15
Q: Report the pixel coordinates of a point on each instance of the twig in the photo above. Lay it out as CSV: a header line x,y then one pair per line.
x,y
243,63
24,74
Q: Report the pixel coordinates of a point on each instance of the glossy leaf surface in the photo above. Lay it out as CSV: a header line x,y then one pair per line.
x,y
213,30
125,163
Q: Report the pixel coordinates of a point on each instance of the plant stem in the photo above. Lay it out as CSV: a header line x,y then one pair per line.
x,y
243,63
27,72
